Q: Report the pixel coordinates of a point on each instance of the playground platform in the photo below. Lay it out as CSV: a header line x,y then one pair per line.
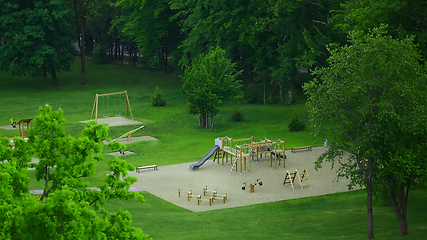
x,y
165,182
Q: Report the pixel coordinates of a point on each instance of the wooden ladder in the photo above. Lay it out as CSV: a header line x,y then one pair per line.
x,y
304,177
290,178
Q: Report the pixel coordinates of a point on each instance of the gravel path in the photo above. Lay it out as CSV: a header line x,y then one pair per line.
x,y
165,182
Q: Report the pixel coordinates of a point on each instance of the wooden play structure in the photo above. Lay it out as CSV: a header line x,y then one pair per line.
x,y
237,148
242,151
252,185
24,125
275,149
220,197
189,194
199,197
290,178
105,99
127,135
205,190
214,196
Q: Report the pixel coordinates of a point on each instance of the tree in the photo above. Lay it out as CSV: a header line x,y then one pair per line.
x,y
403,17
67,208
304,30
269,40
149,24
209,83
371,102
37,36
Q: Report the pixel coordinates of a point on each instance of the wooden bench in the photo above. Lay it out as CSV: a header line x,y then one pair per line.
x,y
146,167
300,148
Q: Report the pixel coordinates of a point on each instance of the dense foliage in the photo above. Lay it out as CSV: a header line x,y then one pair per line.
x,y
37,37
371,102
209,83
67,208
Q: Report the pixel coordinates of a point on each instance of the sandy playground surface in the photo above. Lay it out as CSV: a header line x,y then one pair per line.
x,y
115,121
165,182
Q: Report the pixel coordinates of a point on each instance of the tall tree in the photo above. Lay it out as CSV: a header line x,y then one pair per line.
x,y
67,208
261,36
371,101
37,37
84,11
403,17
148,23
209,83
304,29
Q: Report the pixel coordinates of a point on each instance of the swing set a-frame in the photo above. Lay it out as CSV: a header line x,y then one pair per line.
x,y
117,111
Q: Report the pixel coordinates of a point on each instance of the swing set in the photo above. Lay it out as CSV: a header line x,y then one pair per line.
x,y
105,99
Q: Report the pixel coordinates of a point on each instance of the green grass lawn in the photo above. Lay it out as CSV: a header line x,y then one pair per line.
x,y
181,140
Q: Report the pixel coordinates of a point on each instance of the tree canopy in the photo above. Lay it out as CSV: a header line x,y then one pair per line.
x,y
209,83
370,101
67,208
37,37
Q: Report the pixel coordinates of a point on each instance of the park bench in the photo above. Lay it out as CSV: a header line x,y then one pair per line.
x,y
300,148
146,167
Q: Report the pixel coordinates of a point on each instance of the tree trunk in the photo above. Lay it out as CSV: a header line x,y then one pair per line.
x,y
54,78
166,60
44,71
207,120
281,93
212,120
290,97
399,208
369,200
83,57
115,49
264,90
81,32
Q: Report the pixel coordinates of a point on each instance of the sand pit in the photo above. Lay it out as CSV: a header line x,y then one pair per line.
x,y
134,140
9,127
165,182
115,121
118,154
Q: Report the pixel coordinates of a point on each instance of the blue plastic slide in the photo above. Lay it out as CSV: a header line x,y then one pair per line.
x,y
204,158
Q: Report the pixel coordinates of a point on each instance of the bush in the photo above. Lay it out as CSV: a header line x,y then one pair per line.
x,y
237,116
100,55
157,100
296,124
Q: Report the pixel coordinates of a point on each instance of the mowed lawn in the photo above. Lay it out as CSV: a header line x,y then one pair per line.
x,y
337,216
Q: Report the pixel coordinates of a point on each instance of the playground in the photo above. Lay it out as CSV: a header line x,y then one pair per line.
x,y
165,182
181,143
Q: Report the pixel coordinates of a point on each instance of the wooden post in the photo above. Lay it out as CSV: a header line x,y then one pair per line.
x,y
252,188
95,108
96,103
128,105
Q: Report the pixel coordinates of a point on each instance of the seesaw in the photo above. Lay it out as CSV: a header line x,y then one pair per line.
x,y
252,185
129,133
